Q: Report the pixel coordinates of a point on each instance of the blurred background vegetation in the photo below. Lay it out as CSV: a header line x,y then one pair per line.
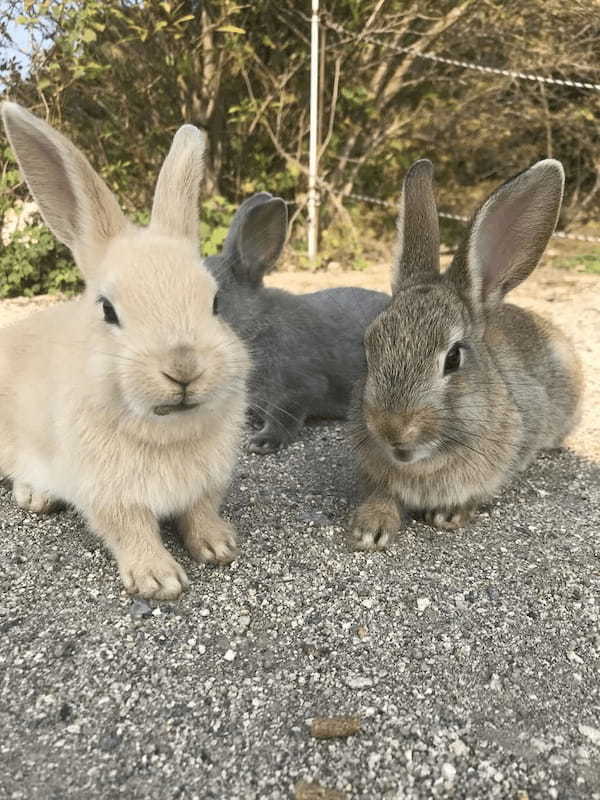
x,y
120,76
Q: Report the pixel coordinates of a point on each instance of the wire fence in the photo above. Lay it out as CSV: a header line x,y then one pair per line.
x,y
460,218
362,37
334,26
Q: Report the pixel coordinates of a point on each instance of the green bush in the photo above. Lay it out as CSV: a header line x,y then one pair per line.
x,y
34,262
586,262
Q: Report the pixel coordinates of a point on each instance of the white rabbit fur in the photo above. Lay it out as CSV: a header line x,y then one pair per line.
x,y
136,420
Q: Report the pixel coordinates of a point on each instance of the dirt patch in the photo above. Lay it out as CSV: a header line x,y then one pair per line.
x,y
19,307
569,299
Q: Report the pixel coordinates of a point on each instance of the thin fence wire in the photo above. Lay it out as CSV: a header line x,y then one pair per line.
x,y
465,65
460,218
527,76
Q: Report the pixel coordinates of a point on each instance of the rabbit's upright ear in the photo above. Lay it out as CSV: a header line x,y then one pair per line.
x,y
175,206
74,201
231,240
260,239
508,234
417,258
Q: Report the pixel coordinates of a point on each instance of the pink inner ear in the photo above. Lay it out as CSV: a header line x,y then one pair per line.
x,y
513,227
502,240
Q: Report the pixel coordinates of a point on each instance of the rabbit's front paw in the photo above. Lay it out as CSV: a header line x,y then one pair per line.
x,y
26,497
264,443
373,525
449,519
216,543
155,574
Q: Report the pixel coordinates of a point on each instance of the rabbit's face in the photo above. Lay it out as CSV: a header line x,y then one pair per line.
x,y
417,353
159,336
159,348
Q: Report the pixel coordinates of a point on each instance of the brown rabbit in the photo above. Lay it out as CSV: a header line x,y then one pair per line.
x,y
462,389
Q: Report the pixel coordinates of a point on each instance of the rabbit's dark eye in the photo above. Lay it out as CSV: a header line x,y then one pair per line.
x,y
110,315
452,362
216,304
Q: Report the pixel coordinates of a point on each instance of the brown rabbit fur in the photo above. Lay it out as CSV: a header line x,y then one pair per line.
x,y
462,389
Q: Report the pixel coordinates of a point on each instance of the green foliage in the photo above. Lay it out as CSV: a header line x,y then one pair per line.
x,y
120,77
586,262
31,260
214,223
35,263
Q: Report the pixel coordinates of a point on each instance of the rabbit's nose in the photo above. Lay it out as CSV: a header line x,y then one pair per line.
x,y
173,379
183,381
402,453
181,366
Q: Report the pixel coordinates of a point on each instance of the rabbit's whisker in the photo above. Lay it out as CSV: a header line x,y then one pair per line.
x,y
268,415
278,408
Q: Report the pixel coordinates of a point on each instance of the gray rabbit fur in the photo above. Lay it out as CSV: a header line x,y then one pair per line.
x,y
462,389
307,349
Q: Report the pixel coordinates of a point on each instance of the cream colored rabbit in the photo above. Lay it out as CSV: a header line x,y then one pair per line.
x,y
127,403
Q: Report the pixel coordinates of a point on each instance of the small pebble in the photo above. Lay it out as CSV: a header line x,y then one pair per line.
x,y
359,682
229,655
460,602
573,657
139,608
243,623
593,734
495,683
459,748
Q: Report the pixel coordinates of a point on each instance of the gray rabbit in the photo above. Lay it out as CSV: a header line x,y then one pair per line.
x,y
307,349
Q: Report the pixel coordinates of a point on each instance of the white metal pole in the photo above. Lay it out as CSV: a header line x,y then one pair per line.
x,y
313,195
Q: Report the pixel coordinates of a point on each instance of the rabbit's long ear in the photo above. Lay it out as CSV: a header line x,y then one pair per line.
x,y
74,201
417,258
508,234
231,241
260,239
175,206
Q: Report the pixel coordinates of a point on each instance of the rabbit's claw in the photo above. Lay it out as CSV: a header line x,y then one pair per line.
x,y
155,574
449,519
373,525
214,544
28,498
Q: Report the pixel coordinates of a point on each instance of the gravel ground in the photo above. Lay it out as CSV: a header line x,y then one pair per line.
x,y
472,659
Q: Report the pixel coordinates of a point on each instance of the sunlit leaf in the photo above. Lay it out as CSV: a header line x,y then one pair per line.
x,y
230,29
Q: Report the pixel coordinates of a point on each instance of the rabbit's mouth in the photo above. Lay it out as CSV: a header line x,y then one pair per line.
x,y
162,411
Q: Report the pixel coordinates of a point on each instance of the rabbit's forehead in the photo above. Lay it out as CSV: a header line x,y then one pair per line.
x,y
156,271
427,318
